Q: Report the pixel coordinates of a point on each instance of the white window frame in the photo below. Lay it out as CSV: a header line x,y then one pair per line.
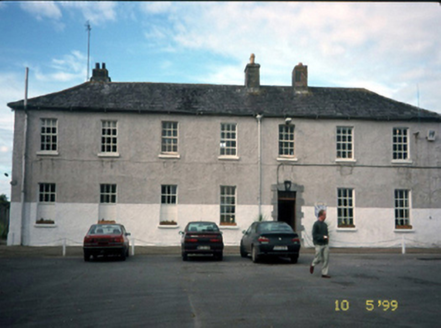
x,y
109,138
228,140
344,143
402,206
47,193
169,138
169,194
400,147
48,136
169,201
108,193
345,208
286,146
228,204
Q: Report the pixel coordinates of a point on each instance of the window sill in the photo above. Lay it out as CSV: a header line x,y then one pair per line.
x,y
108,155
168,226
228,227
345,160
169,156
347,229
45,225
287,159
48,153
228,158
402,161
407,228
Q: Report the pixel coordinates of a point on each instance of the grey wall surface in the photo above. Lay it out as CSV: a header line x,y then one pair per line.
x,y
139,171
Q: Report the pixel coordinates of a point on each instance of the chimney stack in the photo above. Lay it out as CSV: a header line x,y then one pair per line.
x,y
100,74
300,78
252,75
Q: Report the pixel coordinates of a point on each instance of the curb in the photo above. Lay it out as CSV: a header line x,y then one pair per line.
x,y
57,251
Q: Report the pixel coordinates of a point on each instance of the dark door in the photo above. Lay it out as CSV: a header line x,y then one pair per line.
x,y
287,208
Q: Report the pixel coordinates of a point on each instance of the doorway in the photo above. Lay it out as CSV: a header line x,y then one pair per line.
x,y
286,208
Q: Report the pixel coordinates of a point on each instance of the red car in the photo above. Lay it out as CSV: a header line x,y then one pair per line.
x,y
200,237
104,239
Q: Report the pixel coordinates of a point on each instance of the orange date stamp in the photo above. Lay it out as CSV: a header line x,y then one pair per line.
x,y
370,305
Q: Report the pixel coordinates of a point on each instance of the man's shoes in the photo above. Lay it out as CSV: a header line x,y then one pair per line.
x,y
311,269
325,276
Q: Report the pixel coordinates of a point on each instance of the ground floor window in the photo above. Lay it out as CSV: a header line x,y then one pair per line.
x,y
108,193
345,208
46,208
169,197
228,205
402,209
47,192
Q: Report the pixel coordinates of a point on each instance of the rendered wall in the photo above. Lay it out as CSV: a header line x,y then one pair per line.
x,y
139,172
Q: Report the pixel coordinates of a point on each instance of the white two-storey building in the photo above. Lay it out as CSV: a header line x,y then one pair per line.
x,y
154,156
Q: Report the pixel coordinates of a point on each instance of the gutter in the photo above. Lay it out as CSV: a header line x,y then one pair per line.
x,y
23,161
259,161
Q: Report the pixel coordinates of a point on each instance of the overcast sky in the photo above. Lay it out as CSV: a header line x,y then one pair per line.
x,y
393,49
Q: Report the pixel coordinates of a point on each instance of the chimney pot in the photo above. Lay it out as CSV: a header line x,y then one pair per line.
x,y
100,74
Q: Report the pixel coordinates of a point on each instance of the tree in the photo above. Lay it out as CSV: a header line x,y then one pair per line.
x,y
4,215
4,199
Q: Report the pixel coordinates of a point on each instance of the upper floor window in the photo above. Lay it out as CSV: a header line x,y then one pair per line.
x,y
49,134
402,209
400,144
345,208
344,143
109,137
169,138
108,193
228,139
228,205
47,192
286,140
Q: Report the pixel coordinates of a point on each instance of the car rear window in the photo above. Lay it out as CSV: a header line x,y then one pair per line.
x,y
202,227
274,227
105,229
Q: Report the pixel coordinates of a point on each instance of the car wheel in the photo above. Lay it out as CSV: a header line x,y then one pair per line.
x,y
184,257
254,255
294,259
123,255
86,256
243,253
219,256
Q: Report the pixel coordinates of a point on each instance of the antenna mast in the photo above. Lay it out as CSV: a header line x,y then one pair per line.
x,y
88,29
418,95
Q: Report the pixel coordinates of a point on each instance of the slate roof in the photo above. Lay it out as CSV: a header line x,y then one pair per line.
x,y
209,99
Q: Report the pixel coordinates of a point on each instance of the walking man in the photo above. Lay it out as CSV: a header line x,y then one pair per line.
x,y
321,240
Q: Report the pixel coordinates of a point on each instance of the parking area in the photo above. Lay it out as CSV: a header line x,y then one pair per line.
x,y
155,288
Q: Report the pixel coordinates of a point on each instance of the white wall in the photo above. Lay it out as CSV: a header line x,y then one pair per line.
x,y
375,227
142,221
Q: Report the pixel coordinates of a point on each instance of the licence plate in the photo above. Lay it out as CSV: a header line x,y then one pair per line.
x,y
204,248
280,248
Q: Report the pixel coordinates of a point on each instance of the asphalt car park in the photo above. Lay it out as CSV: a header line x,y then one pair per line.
x,y
366,289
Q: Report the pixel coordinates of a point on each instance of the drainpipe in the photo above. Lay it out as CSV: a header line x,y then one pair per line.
x,y
23,161
259,161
